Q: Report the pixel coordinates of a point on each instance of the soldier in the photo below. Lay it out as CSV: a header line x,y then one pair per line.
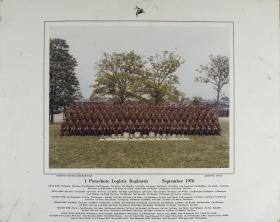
x,y
77,129
69,125
133,116
100,130
141,115
208,129
176,116
67,129
217,129
83,127
67,116
174,127
192,129
126,129
110,127
153,129
116,123
168,127
119,129
93,130
161,125
88,127
63,129
213,128
96,125
146,128
181,124
106,116
185,130
137,124
148,115
126,115
171,116
200,128
104,127
141,127
178,130
156,125
149,126
153,117
195,116
129,125
132,129
115,127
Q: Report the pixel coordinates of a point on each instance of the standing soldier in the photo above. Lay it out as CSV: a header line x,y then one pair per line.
x,y
174,127
192,128
115,127
63,129
89,125
110,129
78,128
83,128
122,125
137,124
168,126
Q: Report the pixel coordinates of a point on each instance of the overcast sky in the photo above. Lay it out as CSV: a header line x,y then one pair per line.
x,y
194,44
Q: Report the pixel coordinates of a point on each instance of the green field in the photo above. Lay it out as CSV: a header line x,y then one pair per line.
x,y
89,152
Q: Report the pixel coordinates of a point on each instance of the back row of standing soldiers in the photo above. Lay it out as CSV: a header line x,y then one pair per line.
x,y
107,119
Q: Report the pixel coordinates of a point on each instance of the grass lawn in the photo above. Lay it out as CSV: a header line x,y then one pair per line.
x,y
89,152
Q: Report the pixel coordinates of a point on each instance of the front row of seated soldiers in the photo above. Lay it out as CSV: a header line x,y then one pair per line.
x,y
109,128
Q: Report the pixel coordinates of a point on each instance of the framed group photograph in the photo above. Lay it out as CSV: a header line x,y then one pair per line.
x,y
136,111
141,95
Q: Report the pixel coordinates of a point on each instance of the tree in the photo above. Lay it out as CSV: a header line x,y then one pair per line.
x,y
64,86
118,75
160,79
182,96
196,100
216,72
225,99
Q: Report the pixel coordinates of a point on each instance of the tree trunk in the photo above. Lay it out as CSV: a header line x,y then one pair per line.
x,y
122,100
157,101
51,117
63,112
157,98
218,98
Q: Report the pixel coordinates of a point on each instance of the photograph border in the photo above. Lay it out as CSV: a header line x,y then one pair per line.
x,y
96,173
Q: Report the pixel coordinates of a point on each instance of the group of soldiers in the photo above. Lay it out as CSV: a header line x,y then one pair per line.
x,y
107,119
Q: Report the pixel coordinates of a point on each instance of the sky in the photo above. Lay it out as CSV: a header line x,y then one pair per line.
x,y
193,43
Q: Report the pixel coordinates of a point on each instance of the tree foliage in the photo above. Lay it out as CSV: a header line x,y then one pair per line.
x,y
160,77
63,84
118,75
216,72
225,99
196,100
127,76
